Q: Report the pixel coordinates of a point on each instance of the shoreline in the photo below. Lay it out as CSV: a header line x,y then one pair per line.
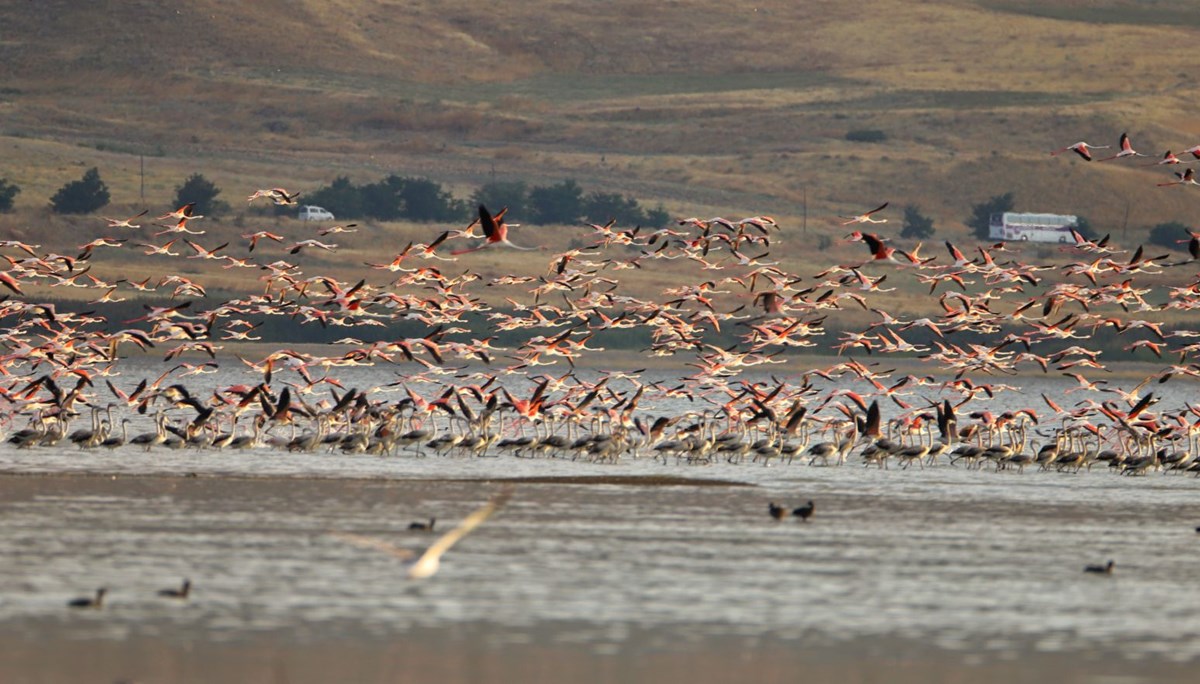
x,y
485,652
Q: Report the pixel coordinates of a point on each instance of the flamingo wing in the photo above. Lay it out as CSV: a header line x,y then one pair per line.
x,y
488,223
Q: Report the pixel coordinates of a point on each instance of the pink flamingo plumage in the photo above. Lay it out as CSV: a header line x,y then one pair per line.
x,y
495,232
1126,149
865,218
1080,148
1188,177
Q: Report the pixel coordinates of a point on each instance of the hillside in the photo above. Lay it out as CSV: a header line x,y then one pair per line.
x,y
705,107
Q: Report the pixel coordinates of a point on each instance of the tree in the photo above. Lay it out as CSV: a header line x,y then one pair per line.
x,y
382,200
866,135
917,226
82,196
602,207
425,200
203,192
341,197
560,203
511,194
657,217
8,191
1173,235
981,214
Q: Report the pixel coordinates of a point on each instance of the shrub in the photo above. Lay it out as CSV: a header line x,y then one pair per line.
x,y
8,191
602,207
82,196
656,217
382,200
425,200
203,192
917,226
511,194
341,197
1173,235
560,203
866,135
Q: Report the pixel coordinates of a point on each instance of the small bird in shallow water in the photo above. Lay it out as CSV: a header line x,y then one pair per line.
x,y
427,564
181,593
1105,569
97,602
804,512
419,526
776,510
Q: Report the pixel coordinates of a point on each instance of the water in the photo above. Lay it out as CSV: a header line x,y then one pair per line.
x,y
597,558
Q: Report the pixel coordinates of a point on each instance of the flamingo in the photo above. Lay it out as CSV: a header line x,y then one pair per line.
x,y
495,232
125,223
879,251
184,212
1081,148
865,218
1126,149
261,235
1188,177
1170,158
277,195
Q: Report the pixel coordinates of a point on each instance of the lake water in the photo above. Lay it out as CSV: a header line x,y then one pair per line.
x,y
675,570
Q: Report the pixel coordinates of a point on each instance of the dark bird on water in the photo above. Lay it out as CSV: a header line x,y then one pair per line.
x,y
181,593
1105,569
419,526
97,602
804,512
776,510
426,564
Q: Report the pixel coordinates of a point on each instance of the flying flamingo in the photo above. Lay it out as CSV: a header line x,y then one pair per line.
x,y
277,195
125,223
495,232
1188,177
1126,149
865,218
255,237
1170,158
184,212
879,251
1081,148
1194,150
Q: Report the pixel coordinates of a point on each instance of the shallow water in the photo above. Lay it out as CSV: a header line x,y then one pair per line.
x,y
958,559
591,561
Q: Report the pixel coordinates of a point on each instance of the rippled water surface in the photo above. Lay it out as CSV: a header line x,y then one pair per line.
x,y
605,558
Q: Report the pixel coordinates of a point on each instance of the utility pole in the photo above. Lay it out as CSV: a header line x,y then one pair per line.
x,y
804,205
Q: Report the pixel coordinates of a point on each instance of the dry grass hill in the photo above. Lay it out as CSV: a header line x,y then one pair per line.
x,y
709,108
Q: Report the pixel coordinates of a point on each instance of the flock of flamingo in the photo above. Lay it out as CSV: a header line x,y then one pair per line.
x,y
994,313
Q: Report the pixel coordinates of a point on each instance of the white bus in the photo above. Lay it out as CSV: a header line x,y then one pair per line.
x,y
1012,226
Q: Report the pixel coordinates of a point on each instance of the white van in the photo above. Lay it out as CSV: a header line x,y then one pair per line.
x,y
310,213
